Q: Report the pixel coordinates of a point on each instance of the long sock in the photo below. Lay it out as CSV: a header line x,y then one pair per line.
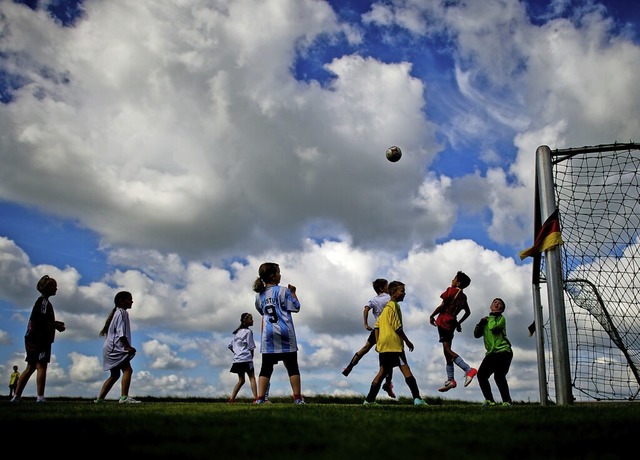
x,y
354,361
413,386
461,364
449,371
373,391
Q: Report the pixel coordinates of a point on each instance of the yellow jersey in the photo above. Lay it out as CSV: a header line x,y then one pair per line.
x,y
389,321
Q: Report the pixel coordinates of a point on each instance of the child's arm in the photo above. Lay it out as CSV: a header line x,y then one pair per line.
x,y
432,318
478,331
365,317
405,339
467,313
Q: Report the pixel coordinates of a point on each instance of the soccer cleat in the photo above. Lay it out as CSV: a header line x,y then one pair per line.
x,y
128,400
487,403
15,399
367,403
448,385
299,401
98,401
261,401
469,377
506,404
419,402
41,400
388,387
346,371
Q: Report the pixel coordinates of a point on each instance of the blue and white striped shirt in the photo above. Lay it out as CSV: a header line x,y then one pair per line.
x,y
275,305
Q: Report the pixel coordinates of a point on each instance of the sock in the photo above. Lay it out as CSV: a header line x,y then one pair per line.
x,y
449,371
373,391
354,361
413,386
461,364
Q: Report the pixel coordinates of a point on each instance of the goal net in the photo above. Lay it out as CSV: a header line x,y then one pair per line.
x,y
597,196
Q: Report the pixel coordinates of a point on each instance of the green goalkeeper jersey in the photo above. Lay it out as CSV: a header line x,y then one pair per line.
x,y
494,333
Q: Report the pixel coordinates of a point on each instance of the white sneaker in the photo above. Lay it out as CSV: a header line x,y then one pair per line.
x,y
448,385
129,400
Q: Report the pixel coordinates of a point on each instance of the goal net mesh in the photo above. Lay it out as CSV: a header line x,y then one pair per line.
x,y
597,193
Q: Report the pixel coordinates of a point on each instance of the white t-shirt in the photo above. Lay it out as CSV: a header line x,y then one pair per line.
x,y
113,352
241,345
378,303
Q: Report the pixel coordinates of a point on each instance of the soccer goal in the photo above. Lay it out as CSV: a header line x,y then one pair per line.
x,y
591,333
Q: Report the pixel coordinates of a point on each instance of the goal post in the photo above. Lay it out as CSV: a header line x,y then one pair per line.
x,y
590,271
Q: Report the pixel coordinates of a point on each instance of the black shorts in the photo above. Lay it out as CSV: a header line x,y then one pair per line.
x,y
269,360
42,356
391,359
372,337
446,335
242,368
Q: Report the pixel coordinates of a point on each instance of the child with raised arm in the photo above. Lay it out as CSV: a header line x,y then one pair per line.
x,y
499,354
278,340
445,318
242,345
375,306
390,340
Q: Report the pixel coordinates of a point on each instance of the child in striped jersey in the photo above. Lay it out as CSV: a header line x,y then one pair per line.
x,y
278,340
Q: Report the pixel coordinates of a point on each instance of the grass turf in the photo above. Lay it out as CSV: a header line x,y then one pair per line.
x,y
324,428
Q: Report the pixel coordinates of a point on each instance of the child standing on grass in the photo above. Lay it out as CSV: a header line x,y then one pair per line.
x,y
278,336
13,381
243,346
445,317
390,340
117,351
499,354
41,332
375,305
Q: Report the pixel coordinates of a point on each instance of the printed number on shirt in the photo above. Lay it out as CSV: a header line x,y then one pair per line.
x,y
270,311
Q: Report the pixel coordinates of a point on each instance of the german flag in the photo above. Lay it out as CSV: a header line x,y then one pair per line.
x,y
548,237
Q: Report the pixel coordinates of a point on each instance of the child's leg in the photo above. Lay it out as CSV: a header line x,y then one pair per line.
x,y
358,355
503,362
263,384
410,380
458,361
237,386
127,373
252,382
376,384
114,375
484,372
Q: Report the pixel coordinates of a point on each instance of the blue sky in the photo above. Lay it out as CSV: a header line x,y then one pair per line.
x,y
169,150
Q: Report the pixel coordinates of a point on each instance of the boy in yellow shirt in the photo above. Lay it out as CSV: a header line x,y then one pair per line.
x,y
390,340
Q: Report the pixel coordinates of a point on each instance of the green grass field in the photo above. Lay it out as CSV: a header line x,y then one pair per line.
x,y
324,428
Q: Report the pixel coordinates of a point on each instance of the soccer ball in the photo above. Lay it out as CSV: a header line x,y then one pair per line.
x,y
394,154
